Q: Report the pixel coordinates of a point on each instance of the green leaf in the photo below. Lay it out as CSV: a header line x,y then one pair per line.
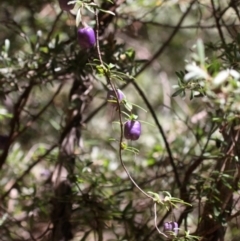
x,y
156,197
191,95
130,53
180,74
107,11
178,92
93,5
111,66
78,17
3,219
7,45
90,9
128,106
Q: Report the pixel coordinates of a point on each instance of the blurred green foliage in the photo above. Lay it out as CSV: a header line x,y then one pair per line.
x,y
64,171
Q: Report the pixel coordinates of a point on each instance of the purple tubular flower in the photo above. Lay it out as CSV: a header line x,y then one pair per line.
x,y
111,97
132,130
86,37
170,227
65,6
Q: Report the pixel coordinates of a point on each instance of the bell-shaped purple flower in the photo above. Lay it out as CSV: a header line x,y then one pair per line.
x,y
132,130
65,6
112,98
86,37
170,228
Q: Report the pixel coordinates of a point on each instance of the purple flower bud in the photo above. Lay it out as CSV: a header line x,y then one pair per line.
x,y
111,97
86,37
65,6
132,130
170,227
45,173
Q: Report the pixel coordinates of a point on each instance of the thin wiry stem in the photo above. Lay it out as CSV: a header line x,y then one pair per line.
x,y
217,17
155,221
141,93
119,113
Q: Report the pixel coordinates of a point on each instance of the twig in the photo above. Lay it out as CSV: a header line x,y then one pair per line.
x,y
217,19
155,221
141,93
53,27
119,113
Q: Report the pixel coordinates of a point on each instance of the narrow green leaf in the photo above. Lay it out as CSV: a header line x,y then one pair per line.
x,y
176,93
89,9
107,11
78,17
